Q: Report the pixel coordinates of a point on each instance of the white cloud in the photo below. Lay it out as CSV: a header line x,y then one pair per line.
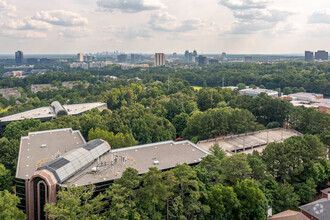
x,y
244,4
320,17
163,21
6,9
131,6
61,18
253,16
79,32
129,32
26,24
17,34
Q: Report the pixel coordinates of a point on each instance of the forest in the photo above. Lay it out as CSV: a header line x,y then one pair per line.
x,y
161,104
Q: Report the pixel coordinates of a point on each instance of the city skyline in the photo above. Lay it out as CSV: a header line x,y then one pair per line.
x,y
213,26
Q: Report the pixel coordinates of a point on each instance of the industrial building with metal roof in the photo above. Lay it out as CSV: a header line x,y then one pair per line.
x,y
54,158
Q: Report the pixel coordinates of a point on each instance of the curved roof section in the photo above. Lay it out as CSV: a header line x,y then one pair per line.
x,y
58,109
76,160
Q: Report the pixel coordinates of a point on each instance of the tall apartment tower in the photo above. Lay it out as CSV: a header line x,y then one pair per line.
x,y
159,59
80,57
186,56
202,60
309,56
19,57
321,55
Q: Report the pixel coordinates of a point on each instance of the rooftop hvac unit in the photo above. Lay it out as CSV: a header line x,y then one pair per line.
x,y
156,162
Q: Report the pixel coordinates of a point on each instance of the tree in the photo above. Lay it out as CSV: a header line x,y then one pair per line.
x,y
122,205
180,123
258,168
9,154
223,203
241,86
286,161
17,129
235,168
287,91
209,170
284,197
119,140
253,201
190,192
152,194
217,151
76,203
6,179
8,207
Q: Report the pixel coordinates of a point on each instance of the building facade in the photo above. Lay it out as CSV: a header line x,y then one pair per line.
x,y
58,158
309,56
159,59
321,55
19,57
80,57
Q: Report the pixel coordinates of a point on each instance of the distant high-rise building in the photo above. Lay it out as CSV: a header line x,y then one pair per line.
x,y
190,57
122,58
309,56
19,57
32,61
80,57
175,55
202,60
186,56
223,57
195,53
137,58
248,59
159,59
213,61
321,55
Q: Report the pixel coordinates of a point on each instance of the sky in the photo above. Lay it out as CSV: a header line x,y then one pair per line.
x,y
148,26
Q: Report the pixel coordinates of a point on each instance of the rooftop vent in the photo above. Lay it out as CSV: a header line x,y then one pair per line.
x,y
156,162
43,146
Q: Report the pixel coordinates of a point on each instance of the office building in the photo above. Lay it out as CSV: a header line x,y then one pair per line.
x,y
175,55
195,53
190,57
256,92
9,92
19,57
32,61
213,61
159,59
80,57
122,58
202,60
58,158
186,56
49,112
137,58
321,55
47,61
309,56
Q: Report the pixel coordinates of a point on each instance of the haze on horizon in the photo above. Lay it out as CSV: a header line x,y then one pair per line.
x,y
209,26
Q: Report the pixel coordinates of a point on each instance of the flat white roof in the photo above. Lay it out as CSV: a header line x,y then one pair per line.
x,y
48,112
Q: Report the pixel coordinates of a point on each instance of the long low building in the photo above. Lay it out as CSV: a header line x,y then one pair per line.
x,y
54,158
53,111
248,142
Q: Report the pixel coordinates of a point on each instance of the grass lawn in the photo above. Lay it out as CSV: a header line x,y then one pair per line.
x,y
197,88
